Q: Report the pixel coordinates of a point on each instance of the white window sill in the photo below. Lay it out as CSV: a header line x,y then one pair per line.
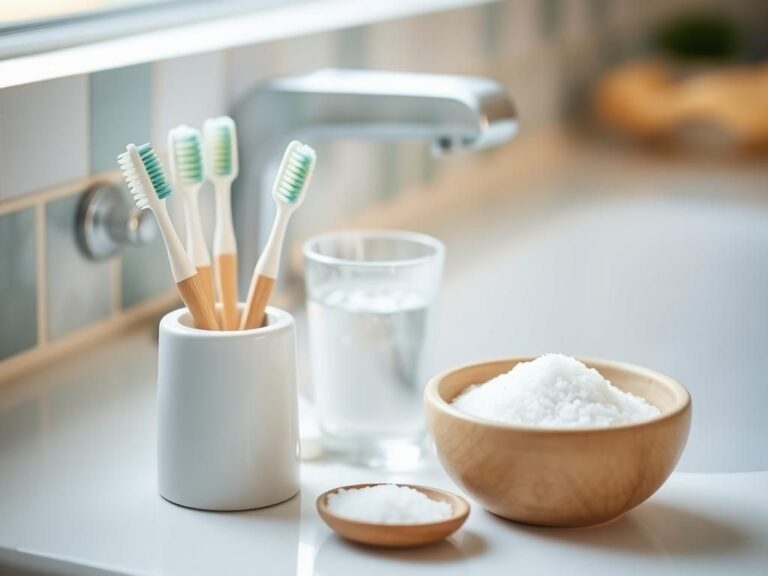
x,y
263,25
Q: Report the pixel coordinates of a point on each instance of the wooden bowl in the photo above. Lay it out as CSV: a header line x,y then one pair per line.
x,y
555,476
396,535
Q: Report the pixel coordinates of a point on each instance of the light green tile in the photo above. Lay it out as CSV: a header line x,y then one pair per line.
x,y
550,16
146,272
390,169
351,48
78,289
18,282
121,112
597,12
202,75
43,135
492,29
429,167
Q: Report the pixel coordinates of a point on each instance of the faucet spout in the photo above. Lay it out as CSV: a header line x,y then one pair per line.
x,y
452,112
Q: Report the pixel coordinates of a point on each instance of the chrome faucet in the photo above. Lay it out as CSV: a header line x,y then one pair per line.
x,y
452,112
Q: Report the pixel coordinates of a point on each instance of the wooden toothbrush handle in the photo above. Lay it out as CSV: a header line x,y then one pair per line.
x,y
258,296
205,273
201,309
226,284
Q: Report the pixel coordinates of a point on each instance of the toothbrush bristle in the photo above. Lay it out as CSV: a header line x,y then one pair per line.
x,y
154,171
187,156
219,143
132,180
297,167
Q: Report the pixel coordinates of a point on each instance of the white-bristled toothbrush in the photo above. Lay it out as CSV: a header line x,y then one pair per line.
x,y
288,192
143,173
185,153
221,165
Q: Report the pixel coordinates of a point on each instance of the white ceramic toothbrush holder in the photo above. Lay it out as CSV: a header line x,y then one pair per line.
x,y
228,435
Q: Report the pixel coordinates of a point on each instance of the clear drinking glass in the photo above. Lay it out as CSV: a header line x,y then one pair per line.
x,y
370,299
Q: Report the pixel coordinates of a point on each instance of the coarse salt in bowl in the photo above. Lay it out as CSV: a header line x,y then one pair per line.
x,y
554,390
558,475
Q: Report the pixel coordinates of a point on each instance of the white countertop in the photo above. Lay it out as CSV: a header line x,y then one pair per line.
x,y
77,486
77,439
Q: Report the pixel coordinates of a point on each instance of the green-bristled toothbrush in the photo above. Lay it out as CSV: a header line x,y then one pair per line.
x,y
185,154
143,173
289,192
221,163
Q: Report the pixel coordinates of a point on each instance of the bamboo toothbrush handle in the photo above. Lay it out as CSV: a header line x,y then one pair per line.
x,y
226,283
258,296
205,273
201,309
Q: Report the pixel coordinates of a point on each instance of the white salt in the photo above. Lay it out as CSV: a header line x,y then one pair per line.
x,y
554,391
388,504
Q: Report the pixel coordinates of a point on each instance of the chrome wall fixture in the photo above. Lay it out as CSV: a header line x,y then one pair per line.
x,y
107,220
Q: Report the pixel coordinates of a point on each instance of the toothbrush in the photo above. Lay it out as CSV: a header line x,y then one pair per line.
x,y
144,175
186,158
222,167
288,192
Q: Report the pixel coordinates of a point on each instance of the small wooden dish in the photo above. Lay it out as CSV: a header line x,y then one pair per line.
x,y
396,535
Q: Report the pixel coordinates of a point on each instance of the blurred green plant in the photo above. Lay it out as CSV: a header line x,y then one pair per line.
x,y
700,36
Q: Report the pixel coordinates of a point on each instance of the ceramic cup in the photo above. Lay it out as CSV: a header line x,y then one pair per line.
x,y
227,414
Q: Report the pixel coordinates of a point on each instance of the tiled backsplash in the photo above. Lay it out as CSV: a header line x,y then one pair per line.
x,y
77,290
18,282
59,137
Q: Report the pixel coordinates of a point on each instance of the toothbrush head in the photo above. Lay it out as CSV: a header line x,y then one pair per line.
x,y
144,176
185,155
294,174
220,139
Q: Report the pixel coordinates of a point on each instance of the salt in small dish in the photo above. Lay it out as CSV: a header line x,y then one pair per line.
x,y
396,535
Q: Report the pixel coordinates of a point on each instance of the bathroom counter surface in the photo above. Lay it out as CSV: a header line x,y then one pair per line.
x,y
77,438
77,490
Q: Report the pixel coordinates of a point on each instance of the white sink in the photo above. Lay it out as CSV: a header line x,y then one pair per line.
x,y
672,274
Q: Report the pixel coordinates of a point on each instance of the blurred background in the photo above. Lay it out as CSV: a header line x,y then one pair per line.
x,y
627,220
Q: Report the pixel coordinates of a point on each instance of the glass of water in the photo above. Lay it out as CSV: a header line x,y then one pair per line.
x,y
370,299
